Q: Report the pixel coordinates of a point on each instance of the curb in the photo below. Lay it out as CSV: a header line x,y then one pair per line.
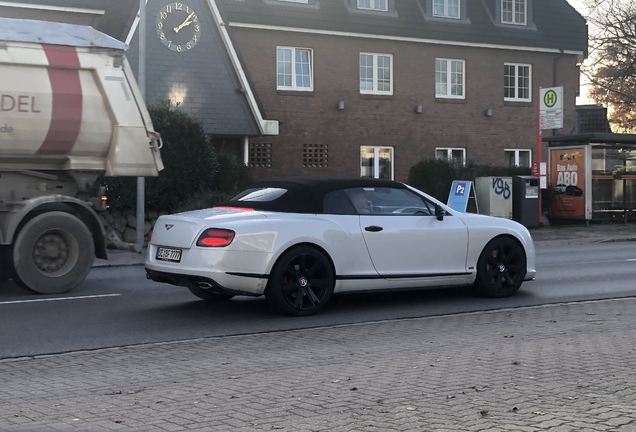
x,y
582,241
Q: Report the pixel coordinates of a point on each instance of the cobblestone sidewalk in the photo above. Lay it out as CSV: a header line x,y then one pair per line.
x,y
554,368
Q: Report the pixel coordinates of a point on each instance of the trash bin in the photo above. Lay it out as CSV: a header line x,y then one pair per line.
x,y
525,200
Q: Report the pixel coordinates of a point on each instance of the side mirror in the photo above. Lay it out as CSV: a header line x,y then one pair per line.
x,y
439,212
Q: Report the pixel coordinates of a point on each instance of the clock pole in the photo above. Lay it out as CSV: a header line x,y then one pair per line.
x,y
141,181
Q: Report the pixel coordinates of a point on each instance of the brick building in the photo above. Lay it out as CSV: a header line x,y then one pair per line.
x,y
360,87
382,84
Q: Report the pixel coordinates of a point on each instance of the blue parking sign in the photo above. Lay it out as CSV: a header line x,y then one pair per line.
x,y
459,194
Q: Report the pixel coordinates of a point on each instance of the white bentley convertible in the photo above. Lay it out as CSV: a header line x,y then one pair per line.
x,y
299,241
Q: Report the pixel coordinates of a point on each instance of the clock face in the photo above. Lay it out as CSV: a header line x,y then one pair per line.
x,y
178,27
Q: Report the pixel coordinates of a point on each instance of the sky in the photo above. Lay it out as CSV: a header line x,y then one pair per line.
x,y
577,4
583,99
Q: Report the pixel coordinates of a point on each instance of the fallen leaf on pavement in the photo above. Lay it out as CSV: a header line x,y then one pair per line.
x,y
476,389
483,413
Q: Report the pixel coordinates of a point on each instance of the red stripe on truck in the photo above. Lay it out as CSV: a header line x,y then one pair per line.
x,y
66,115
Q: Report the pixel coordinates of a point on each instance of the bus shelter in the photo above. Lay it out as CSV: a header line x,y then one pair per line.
x,y
592,176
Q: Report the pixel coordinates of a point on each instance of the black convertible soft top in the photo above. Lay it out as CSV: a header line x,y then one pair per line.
x,y
305,195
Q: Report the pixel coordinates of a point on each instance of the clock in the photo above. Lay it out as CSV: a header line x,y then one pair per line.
x,y
178,27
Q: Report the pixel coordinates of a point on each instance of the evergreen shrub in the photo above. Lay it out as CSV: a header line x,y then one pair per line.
x,y
191,166
435,176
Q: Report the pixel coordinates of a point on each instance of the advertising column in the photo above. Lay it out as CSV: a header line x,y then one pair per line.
x,y
567,178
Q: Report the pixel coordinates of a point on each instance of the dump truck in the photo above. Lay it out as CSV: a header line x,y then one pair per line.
x,y
70,113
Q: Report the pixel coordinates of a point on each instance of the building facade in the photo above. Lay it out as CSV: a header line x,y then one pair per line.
x,y
353,87
371,87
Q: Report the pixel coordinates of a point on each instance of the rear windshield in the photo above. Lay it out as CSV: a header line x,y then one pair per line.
x,y
260,194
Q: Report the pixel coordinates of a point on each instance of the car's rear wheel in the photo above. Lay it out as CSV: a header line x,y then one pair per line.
x,y
501,268
301,283
209,295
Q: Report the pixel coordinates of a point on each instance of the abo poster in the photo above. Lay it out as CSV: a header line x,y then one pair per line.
x,y
567,178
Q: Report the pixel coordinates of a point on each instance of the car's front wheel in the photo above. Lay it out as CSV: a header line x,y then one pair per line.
x,y
501,268
301,283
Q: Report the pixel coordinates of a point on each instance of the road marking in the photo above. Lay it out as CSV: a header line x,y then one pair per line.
x,y
59,298
588,262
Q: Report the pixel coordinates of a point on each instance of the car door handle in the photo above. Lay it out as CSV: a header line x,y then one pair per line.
x,y
373,228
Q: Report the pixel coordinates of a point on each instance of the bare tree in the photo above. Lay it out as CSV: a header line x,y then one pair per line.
x,y
612,63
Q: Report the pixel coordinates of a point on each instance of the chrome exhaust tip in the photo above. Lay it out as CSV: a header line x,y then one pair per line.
x,y
203,285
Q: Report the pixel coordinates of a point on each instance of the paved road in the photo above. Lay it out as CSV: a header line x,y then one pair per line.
x,y
558,368
562,367
117,307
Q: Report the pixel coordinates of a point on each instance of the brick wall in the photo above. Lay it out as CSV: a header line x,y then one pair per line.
x,y
312,117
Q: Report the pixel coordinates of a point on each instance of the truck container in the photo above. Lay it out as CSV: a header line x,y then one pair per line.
x,y
70,113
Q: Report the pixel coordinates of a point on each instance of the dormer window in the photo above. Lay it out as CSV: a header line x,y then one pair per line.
x,y
446,8
514,12
379,5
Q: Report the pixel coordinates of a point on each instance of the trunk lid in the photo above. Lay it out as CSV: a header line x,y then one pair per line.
x,y
181,230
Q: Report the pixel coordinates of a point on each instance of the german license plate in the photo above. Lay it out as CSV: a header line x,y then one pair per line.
x,y
166,254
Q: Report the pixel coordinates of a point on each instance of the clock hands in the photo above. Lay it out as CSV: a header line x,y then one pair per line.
x,y
185,23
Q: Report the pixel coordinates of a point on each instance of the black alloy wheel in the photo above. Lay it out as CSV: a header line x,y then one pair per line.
x,y
501,268
302,282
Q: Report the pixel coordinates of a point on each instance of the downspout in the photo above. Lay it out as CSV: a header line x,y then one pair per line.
x,y
246,150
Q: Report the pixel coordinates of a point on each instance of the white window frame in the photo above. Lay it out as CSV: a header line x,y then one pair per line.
x,y
449,153
516,152
515,10
375,73
517,98
446,7
294,85
374,6
376,160
449,83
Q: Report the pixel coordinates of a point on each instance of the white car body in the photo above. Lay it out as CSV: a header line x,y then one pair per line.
x,y
409,251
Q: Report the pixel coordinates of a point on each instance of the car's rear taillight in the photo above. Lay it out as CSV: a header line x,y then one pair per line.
x,y
214,237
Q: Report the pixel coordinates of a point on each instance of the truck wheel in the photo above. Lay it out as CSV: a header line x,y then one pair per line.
x,y
5,263
53,253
